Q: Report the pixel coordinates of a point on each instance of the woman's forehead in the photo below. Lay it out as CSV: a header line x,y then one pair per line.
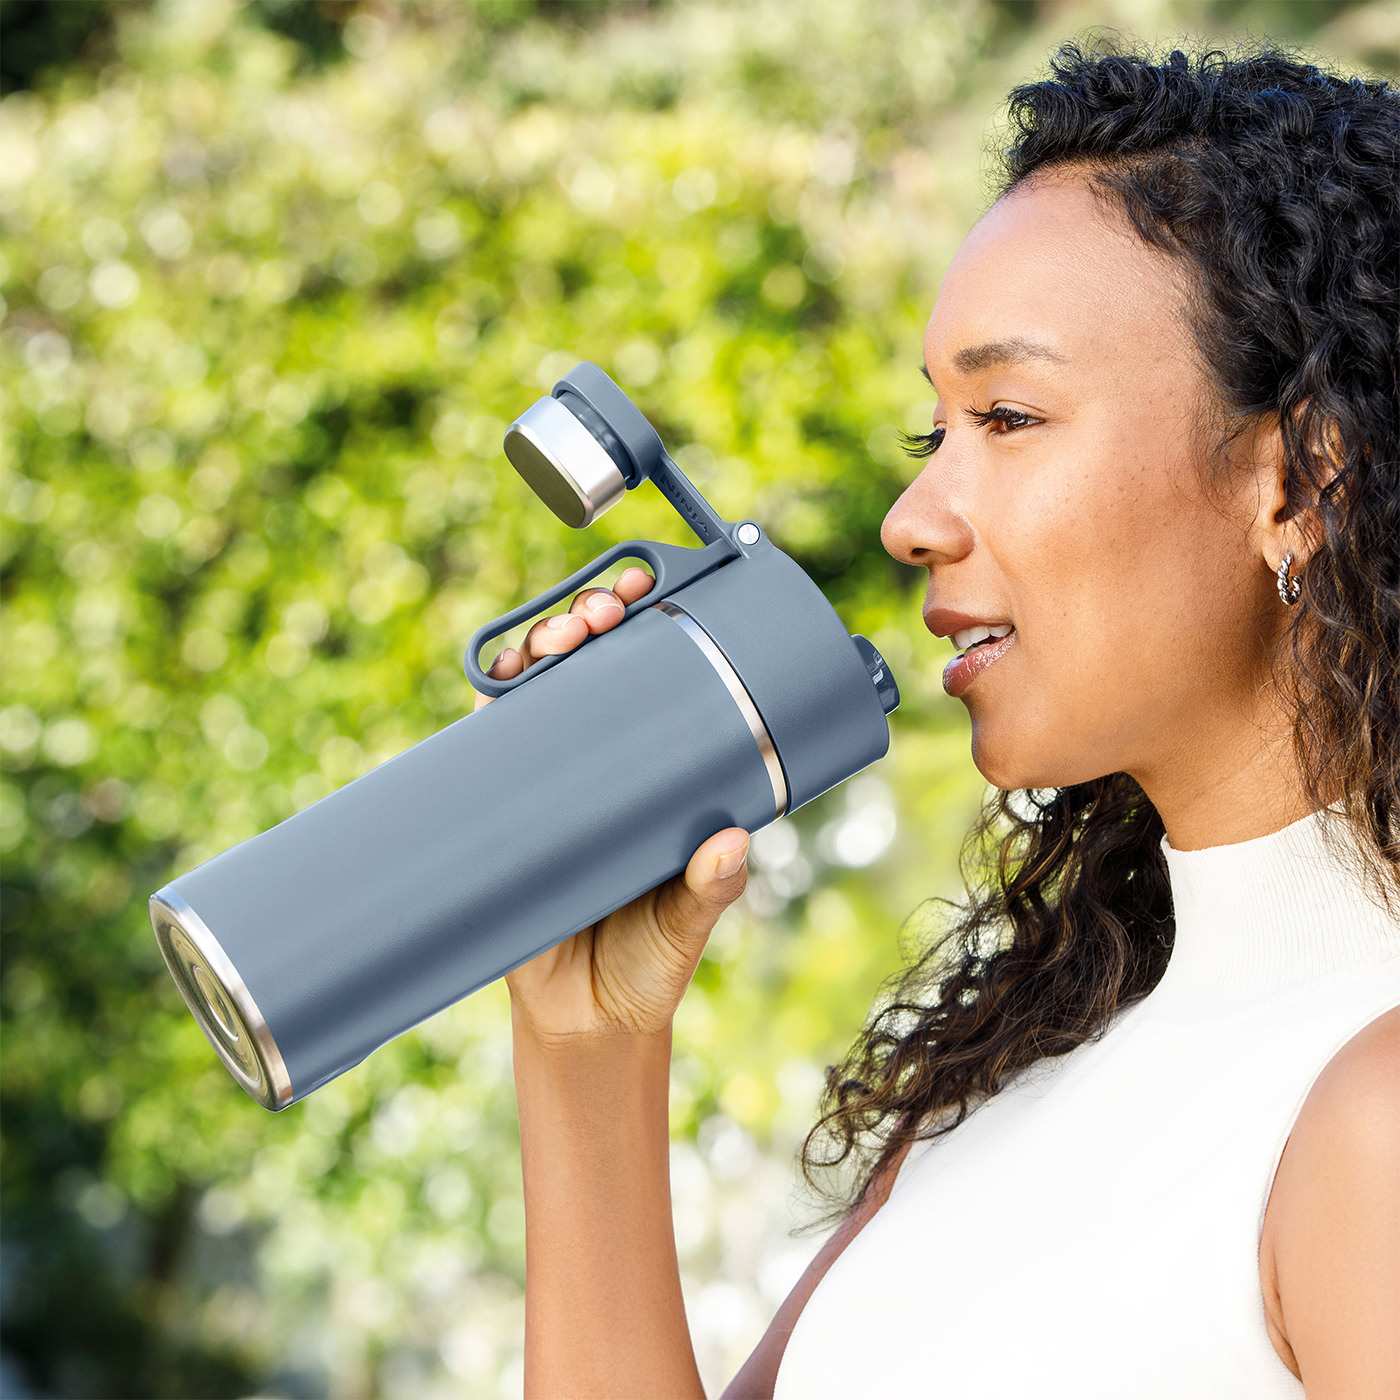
x,y
1051,265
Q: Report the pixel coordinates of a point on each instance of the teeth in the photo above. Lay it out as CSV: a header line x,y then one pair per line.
x,y
970,636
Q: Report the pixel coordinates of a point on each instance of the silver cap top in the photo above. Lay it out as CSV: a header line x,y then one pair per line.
x,y
564,464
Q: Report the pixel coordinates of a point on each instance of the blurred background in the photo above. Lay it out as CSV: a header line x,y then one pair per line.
x,y
274,277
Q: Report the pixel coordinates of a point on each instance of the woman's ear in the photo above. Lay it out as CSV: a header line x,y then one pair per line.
x,y
1287,520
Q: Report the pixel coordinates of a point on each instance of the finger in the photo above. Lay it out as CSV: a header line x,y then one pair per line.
x,y
505,667
600,608
688,906
632,583
722,860
560,633
551,635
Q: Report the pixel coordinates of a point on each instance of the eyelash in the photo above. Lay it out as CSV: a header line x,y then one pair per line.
x,y
926,444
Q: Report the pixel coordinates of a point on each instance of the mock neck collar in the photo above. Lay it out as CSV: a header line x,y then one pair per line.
x,y
1258,916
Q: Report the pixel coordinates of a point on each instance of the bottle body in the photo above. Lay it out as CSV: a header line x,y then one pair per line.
x,y
449,865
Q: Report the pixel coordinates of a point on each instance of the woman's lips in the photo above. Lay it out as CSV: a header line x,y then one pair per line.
x,y
962,670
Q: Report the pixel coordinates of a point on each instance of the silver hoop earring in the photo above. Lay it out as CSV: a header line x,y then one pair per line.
x,y
1288,589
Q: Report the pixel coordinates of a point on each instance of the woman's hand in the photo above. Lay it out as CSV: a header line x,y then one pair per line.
x,y
628,972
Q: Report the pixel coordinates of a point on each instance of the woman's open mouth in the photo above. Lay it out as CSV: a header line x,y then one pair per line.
x,y
967,665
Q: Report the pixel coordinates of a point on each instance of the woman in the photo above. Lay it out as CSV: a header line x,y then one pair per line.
x,y
1166,451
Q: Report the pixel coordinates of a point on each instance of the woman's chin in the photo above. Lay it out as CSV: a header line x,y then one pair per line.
x,y
996,765
1013,761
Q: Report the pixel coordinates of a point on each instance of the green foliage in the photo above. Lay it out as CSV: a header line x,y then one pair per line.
x,y
37,37
275,278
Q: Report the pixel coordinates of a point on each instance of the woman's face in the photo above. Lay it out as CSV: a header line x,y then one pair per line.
x,y
1144,613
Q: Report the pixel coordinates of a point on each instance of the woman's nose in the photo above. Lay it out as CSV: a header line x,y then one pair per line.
x,y
920,529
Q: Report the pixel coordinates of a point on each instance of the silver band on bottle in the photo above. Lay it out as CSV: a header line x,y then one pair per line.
x,y
737,690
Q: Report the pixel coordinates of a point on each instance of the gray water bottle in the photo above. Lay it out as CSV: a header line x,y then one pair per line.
x,y
728,695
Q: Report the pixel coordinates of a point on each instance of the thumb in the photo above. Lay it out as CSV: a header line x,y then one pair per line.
x,y
720,866
713,880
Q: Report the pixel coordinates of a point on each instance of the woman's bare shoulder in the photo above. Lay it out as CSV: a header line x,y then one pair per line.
x,y
1330,1250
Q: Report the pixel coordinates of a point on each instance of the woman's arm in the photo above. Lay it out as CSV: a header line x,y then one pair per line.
x,y
604,1315
1336,1228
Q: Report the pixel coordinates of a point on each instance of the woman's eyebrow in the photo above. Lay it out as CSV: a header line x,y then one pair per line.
x,y
990,353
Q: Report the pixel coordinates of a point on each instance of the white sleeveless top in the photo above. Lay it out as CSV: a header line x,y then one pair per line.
x,y
1093,1229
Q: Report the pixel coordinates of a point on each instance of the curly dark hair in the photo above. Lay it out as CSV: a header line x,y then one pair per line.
x,y
1277,184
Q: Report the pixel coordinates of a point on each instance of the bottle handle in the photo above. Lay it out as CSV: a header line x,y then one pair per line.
x,y
673,568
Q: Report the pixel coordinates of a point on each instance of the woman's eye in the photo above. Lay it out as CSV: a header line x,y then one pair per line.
x,y
921,444
1009,418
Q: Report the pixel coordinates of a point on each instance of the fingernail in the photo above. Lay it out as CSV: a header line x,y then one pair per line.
x,y
731,860
603,602
496,662
559,621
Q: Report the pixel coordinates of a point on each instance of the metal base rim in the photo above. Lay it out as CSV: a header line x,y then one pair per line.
x,y
219,1000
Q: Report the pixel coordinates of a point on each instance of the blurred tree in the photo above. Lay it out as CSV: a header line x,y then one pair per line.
x,y
317,27
40,35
